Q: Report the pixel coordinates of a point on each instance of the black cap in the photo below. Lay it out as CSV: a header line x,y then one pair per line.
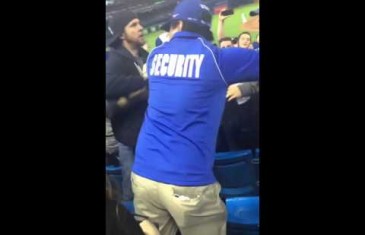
x,y
117,23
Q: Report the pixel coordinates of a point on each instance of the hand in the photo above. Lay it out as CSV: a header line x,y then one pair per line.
x,y
233,92
148,228
220,17
144,72
122,102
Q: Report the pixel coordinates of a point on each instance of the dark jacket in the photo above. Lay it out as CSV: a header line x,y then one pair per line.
x,y
240,123
122,80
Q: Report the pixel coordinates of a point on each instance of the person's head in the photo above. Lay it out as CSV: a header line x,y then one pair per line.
x,y
225,42
192,16
126,29
244,40
235,42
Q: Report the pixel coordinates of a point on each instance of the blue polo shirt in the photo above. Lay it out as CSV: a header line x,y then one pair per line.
x,y
188,80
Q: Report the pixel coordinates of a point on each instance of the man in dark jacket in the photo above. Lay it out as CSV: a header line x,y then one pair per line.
x,y
126,90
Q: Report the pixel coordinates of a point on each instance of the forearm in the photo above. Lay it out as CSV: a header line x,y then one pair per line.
x,y
136,97
220,29
248,88
117,86
123,104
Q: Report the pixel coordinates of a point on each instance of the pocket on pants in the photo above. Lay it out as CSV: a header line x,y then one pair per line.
x,y
187,195
196,205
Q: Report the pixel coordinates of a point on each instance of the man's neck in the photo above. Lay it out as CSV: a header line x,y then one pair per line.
x,y
133,49
173,32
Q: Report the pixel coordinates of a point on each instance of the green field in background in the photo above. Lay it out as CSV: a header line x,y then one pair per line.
x,y
232,25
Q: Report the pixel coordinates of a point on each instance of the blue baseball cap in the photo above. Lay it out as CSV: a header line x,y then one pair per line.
x,y
193,11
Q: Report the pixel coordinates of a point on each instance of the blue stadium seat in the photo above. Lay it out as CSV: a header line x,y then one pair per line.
x,y
243,216
231,157
256,161
113,170
238,192
115,176
237,172
257,152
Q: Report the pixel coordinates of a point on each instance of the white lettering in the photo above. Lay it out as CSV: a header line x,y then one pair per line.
x,y
152,70
158,64
198,64
179,65
186,65
191,65
165,59
172,65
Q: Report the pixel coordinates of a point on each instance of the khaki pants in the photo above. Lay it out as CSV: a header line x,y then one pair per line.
x,y
192,210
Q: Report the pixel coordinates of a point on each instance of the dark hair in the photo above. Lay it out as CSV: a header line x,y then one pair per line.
x,y
202,30
239,35
225,39
234,40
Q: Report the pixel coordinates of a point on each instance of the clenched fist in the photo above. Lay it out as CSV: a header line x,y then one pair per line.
x,y
233,92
